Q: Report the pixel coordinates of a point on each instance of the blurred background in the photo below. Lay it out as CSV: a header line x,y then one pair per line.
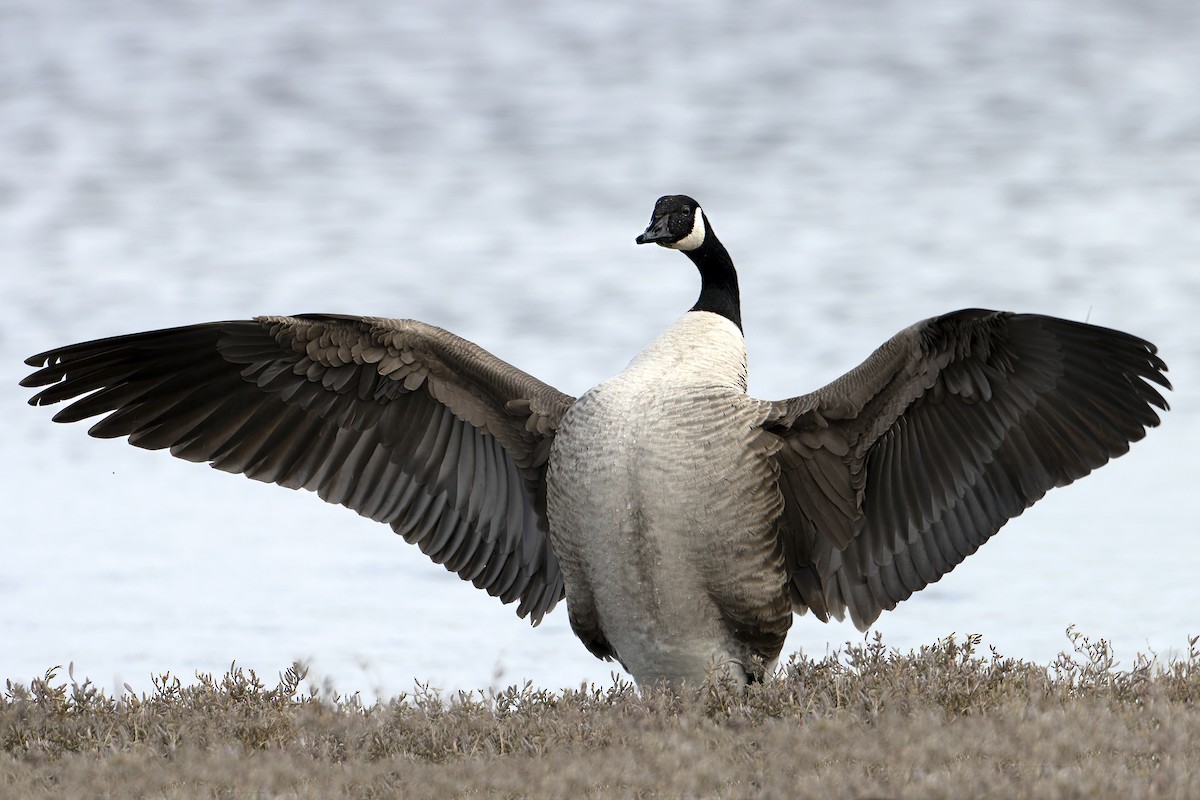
x,y
485,167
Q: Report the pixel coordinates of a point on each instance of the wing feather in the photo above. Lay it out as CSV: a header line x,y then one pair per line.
x,y
403,422
900,469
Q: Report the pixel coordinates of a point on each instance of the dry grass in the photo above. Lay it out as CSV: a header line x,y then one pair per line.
x,y
946,721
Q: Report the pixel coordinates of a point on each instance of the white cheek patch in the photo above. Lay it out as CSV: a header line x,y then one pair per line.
x,y
695,238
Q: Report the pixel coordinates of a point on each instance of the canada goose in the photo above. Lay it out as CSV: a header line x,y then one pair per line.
x,y
683,521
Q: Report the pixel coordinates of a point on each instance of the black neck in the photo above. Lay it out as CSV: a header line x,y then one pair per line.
x,y
718,280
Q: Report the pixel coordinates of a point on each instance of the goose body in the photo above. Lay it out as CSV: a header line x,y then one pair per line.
x,y
662,508
683,521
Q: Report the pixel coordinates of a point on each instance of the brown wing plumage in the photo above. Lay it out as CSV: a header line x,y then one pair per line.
x,y
900,469
400,421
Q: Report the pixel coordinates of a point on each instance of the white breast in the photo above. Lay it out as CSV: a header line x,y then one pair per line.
x,y
701,349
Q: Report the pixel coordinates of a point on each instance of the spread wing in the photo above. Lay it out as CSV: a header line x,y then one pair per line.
x,y
900,469
403,422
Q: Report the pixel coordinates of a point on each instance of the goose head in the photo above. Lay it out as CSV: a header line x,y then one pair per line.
x,y
678,222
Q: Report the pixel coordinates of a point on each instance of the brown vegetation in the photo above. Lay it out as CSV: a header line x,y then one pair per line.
x,y
867,721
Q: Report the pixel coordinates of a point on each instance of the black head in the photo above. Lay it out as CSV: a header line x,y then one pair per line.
x,y
677,222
